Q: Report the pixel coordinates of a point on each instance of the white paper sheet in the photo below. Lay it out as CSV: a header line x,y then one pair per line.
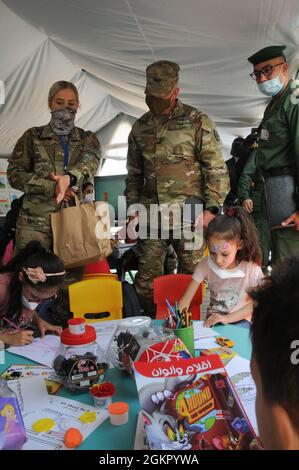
x,y
31,393
201,332
239,372
205,343
66,414
40,350
44,350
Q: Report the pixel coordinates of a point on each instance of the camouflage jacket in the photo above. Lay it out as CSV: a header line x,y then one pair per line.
x,y
37,154
173,157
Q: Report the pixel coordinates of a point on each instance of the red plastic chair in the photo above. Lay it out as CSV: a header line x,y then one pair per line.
x,y
172,287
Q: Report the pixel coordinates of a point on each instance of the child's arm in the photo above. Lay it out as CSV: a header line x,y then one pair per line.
x,y
16,337
44,326
231,317
185,301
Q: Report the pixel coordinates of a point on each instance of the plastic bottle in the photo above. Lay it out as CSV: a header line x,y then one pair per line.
x,y
12,430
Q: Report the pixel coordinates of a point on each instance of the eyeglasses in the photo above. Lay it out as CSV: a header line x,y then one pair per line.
x,y
266,71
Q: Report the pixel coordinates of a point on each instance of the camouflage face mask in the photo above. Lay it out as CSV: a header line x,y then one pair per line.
x,y
62,120
157,105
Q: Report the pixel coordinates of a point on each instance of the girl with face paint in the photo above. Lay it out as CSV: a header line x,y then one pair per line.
x,y
233,267
31,278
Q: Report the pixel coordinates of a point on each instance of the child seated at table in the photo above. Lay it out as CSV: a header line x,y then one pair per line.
x,y
275,356
233,267
33,276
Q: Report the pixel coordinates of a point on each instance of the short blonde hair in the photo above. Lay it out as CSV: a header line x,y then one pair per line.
x,y
61,85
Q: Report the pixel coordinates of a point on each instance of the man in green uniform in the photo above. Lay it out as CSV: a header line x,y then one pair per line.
x,y
278,147
251,195
174,154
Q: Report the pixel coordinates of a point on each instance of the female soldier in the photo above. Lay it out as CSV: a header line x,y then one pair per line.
x,y
48,162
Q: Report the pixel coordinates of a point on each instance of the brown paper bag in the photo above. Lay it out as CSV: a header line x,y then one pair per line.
x,y
81,233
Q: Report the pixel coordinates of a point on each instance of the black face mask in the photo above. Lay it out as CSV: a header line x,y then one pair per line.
x,y
157,105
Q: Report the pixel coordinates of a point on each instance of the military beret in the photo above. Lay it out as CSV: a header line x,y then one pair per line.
x,y
161,77
266,53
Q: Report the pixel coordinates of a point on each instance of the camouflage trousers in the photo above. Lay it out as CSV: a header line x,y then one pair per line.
x,y
26,233
61,313
151,265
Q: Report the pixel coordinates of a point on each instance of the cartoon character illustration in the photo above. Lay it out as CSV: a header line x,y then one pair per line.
x,y
164,431
228,442
226,300
12,433
9,413
12,374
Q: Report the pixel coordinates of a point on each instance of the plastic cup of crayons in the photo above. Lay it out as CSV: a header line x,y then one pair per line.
x,y
182,327
102,394
186,334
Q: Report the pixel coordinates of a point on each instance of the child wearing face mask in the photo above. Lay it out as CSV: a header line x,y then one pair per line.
x,y
88,192
32,277
233,267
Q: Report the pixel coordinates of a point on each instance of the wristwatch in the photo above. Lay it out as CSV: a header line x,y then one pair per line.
x,y
73,179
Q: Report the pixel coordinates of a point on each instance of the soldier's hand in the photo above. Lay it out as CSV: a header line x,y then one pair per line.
x,y
69,194
62,183
248,205
293,221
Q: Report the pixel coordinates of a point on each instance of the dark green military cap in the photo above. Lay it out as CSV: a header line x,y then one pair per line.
x,y
161,77
267,53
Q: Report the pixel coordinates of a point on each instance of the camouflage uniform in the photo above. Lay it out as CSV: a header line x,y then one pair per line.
x,y
170,158
37,154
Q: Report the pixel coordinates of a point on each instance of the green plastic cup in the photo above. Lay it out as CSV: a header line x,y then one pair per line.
x,y
187,336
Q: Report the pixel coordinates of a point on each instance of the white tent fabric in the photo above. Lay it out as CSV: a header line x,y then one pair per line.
x,y
114,40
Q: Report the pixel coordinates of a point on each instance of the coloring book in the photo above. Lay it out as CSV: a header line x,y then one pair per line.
x,y
192,404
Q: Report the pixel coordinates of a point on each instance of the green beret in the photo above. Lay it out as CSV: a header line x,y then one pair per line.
x,y
161,77
267,53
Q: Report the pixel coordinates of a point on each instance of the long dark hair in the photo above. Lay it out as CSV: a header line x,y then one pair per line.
x,y
235,224
32,256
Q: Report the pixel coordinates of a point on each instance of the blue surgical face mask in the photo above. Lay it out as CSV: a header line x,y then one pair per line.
x,y
271,87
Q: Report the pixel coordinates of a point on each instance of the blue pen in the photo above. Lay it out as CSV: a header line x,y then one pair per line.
x,y
170,308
